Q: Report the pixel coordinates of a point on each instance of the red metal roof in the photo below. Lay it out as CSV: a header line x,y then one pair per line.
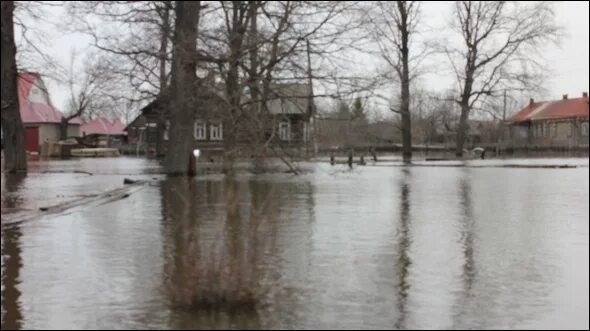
x,y
34,103
103,126
556,109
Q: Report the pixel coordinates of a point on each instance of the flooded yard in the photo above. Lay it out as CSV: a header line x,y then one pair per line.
x,y
376,247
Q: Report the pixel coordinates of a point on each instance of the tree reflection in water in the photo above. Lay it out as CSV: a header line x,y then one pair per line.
x,y
217,233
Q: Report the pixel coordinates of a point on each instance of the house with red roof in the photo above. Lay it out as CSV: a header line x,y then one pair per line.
x,y
558,123
104,132
40,118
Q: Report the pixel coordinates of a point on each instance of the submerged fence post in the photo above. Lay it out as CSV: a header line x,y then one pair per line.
x,y
350,158
332,159
373,153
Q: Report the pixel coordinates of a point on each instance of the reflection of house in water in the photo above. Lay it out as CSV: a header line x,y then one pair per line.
x,y
287,122
556,123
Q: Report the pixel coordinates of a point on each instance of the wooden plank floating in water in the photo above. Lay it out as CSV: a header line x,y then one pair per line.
x,y
550,166
95,152
440,159
97,199
462,165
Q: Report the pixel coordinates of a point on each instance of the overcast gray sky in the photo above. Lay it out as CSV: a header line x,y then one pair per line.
x,y
568,62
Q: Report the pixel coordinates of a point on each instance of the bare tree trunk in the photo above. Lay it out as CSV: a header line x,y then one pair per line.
x,y
163,56
253,53
232,83
260,129
405,84
465,108
461,131
64,123
184,83
12,125
63,128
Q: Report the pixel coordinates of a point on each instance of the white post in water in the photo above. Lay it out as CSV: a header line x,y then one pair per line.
x,y
192,165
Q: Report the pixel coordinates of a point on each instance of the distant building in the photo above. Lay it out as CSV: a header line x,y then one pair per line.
x,y
289,111
41,120
103,132
557,123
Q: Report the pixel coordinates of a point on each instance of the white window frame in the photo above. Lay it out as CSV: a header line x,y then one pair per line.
x,y
584,129
200,130
284,131
216,131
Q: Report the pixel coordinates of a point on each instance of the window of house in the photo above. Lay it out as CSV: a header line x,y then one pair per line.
x,y
216,131
284,131
523,131
584,129
200,130
554,129
547,129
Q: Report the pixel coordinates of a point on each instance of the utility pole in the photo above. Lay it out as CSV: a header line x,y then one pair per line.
x,y
501,133
310,106
504,108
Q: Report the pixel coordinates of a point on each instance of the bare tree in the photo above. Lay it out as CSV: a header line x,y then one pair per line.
x,y
500,50
136,37
163,9
396,28
12,125
88,90
32,39
252,46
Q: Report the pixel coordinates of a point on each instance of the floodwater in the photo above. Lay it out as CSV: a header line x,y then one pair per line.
x,y
375,247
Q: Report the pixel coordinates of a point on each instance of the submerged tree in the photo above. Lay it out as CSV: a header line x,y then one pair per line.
x,y
182,89
500,49
396,30
12,125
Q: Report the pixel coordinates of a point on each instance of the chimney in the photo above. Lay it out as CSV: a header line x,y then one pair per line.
x,y
585,95
565,97
531,101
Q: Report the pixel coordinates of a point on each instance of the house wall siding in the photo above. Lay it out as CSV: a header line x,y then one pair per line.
x,y
547,133
74,131
48,132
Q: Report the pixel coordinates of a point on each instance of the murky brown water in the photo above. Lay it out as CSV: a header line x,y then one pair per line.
x,y
375,247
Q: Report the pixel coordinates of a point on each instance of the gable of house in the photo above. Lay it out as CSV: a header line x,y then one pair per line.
x,y
34,103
